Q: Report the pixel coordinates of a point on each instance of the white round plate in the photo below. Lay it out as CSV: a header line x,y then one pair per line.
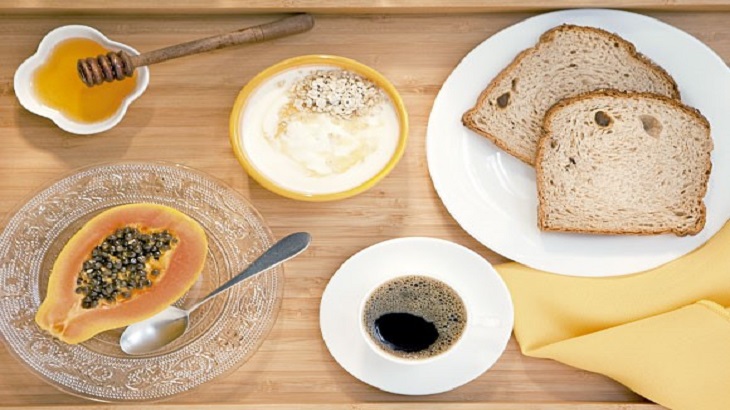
x,y
489,314
492,195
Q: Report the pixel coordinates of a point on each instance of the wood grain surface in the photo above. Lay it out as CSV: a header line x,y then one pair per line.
x,y
183,118
341,6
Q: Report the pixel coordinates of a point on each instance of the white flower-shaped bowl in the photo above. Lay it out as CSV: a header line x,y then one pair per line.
x,y
23,81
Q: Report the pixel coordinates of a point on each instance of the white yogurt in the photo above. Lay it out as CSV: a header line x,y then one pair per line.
x,y
314,153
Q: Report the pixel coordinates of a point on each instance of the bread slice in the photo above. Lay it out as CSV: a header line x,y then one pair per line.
x,y
567,61
623,163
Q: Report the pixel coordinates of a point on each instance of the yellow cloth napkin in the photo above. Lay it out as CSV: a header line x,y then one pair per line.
x,y
663,333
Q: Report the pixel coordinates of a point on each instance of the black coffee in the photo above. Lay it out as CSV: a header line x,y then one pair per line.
x,y
405,332
414,317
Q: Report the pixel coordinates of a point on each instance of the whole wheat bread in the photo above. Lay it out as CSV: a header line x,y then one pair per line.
x,y
567,61
611,162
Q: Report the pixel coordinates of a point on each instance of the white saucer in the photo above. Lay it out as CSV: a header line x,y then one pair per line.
x,y
489,314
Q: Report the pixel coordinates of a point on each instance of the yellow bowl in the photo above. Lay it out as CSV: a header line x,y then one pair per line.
x,y
318,60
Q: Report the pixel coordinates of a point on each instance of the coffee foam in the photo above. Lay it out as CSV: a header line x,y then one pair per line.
x,y
422,296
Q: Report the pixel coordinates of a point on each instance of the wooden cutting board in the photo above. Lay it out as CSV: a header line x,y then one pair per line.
x,y
183,117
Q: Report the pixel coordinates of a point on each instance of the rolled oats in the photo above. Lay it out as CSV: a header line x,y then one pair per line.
x,y
340,93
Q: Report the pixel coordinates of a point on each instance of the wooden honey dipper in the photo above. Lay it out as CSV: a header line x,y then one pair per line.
x,y
120,65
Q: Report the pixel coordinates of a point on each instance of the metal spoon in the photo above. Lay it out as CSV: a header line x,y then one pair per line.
x,y
159,330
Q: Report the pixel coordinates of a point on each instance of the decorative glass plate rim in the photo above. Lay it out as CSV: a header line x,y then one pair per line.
x,y
189,359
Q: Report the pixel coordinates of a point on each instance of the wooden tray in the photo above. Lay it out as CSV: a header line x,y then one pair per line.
x,y
183,117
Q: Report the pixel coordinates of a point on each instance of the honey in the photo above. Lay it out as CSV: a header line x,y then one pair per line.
x,y
57,84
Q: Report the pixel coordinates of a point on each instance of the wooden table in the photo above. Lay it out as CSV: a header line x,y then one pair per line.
x,y
183,117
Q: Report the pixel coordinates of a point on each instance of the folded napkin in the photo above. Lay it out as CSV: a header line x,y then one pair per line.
x,y
663,333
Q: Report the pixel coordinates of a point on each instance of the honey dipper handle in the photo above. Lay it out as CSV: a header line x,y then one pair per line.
x,y
281,28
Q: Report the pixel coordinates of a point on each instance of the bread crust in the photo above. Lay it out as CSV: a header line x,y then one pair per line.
x,y
545,136
546,37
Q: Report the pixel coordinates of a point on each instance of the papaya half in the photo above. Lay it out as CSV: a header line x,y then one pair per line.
x,y
124,265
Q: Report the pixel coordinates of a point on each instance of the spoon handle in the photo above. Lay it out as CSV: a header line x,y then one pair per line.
x,y
285,249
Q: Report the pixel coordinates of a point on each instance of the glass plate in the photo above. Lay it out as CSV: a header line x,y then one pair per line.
x,y
224,333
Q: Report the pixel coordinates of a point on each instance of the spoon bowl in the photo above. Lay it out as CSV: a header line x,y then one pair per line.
x,y
161,329
156,332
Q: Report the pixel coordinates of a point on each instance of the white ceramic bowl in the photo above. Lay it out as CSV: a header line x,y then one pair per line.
x,y
23,81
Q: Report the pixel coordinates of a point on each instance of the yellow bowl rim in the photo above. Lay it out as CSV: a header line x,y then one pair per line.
x,y
316,59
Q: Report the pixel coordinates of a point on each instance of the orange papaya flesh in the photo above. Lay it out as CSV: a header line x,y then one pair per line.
x,y
67,312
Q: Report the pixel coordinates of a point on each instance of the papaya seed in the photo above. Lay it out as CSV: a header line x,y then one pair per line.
x,y
118,265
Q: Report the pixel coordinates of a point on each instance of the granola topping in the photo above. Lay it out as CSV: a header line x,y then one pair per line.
x,y
340,93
